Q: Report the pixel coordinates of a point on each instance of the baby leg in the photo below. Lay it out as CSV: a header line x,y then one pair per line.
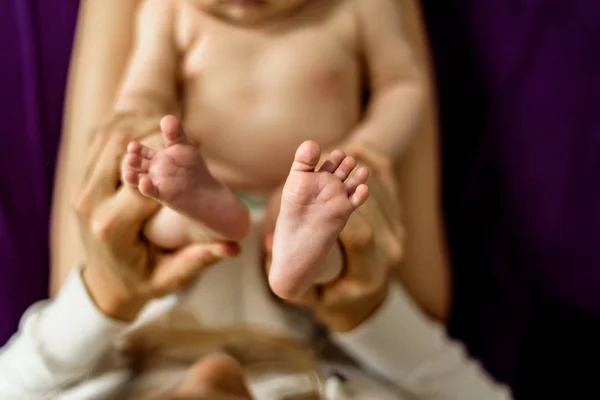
x,y
315,207
169,229
178,177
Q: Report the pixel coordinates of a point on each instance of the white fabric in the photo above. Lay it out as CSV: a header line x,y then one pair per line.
x,y
65,347
59,343
400,344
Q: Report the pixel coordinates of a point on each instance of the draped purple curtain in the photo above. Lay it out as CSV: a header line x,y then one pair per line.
x,y
519,85
35,45
519,90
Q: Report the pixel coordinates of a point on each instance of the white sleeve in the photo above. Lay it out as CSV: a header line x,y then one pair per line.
x,y
400,344
59,342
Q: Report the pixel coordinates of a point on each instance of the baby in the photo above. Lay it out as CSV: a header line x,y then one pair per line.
x,y
256,81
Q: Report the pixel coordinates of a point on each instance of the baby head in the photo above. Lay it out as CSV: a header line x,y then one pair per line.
x,y
214,376
250,12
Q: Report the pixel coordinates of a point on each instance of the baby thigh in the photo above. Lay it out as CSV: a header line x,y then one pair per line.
x,y
169,230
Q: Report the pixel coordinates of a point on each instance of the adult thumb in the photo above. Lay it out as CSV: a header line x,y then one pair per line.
x,y
175,271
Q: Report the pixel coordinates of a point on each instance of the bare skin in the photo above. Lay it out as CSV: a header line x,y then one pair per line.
x,y
214,378
315,204
259,79
315,207
178,177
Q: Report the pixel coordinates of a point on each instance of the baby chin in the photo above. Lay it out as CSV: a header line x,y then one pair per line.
x,y
250,12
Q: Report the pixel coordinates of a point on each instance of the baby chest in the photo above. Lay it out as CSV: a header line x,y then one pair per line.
x,y
312,65
315,71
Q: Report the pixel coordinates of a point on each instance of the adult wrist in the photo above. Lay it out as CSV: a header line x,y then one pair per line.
x,y
111,298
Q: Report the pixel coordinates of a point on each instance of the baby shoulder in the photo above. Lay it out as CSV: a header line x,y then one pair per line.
x,y
374,10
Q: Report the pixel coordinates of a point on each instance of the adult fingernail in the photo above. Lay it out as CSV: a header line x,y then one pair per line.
x,y
218,252
269,241
222,250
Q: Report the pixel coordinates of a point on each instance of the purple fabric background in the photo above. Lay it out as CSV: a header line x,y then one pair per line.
x,y
520,98
35,38
519,89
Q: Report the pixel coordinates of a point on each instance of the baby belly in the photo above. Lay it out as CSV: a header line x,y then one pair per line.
x,y
252,146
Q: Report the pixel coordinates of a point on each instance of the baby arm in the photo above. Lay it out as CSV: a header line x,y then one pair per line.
x,y
151,87
151,79
397,86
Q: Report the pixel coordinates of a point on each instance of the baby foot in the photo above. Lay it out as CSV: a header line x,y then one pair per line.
x,y
315,207
178,177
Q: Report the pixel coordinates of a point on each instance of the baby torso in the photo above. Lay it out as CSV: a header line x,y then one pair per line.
x,y
251,95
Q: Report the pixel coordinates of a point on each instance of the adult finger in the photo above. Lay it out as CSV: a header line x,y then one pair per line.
x,y
103,180
132,126
310,299
95,149
357,233
175,271
385,191
125,128
371,223
124,214
382,181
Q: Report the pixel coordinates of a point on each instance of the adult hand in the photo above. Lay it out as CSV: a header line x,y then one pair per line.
x,y
121,273
370,245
